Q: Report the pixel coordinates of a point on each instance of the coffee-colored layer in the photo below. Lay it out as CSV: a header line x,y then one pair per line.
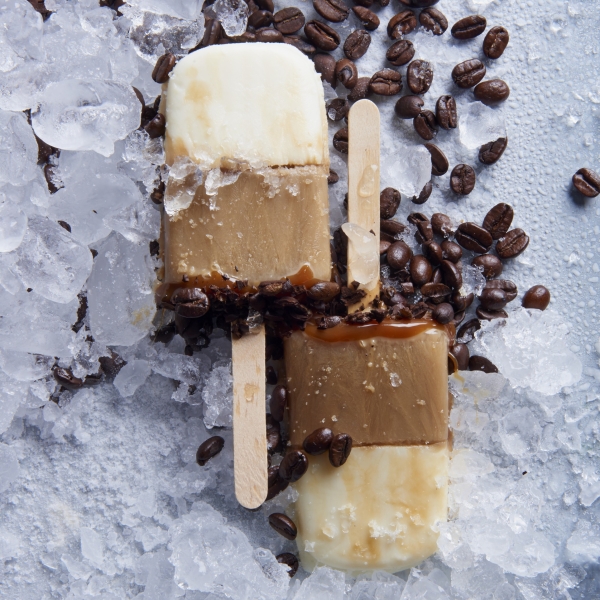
x,y
379,390
249,235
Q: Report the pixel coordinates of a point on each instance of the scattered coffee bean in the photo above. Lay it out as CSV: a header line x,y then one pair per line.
x,y
512,244
420,270
318,441
451,275
491,265
391,227
301,45
441,224
419,3
384,246
329,322
480,363
443,313
462,179
437,276
424,195
433,20
492,91
269,36
361,90
389,201
495,42
190,303
451,251
491,152
433,253
283,525
340,140
435,291
288,20
212,32
293,466
587,182
335,11
489,315
507,286
423,224
324,291
408,107
337,109
400,53
468,73
498,220
278,402
493,299
398,255
419,76
164,66
65,225
156,127
439,162
322,36
273,434
66,378
357,44
469,27
340,449
325,65
401,24
425,125
262,18
209,448
271,377
287,558
346,73
446,114
369,20
386,82
265,5
537,297
468,329
365,3
461,354
473,237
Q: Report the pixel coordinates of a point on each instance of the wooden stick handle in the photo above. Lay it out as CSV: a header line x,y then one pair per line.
x,y
249,419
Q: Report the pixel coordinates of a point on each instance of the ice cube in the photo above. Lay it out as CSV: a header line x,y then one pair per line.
x,y
92,546
378,586
473,280
365,269
131,377
218,396
18,149
182,9
232,14
479,124
9,467
407,169
12,393
323,584
13,225
22,366
584,542
20,35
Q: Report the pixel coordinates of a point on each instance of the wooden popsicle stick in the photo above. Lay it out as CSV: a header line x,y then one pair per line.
x,y
249,414
363,181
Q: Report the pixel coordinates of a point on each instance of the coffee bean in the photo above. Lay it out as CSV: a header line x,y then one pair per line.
x,y
273,435
301,45
433,20
498,220
420,270
248,37
335,11
322,36
369,20
435,291
424,195
419,76
512,244
262,18
439,162
269,36
507,286
480,363
451,251
491,265
495,42
536,297
340,140
408,107
293,466
156,127
361,90
462,179
425,125
164,66
489,315
468,329
473,237
451,274
468,73
441,223
445,110
398,255
329,322
493,299
276,485
337,109
461,354
492,91
419,3
64,225
408,288
324,291
66,378
212,32
384,246
492,151
469,27
389,201
265,5
288,20
400,53
278,402
386,82
437,276
346,73
283,525
190,303
423,225
391,227
357,44
433,252
209,448
325,65
460,302
318,441
340,449
401,24
271,376
587,182
287,558
365,3
443,313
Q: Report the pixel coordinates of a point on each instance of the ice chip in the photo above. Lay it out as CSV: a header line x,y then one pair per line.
x,y
13,225
366,269
131,377
9,467
473,280
18,149
479,124
323,584
12,394
91,546
232,14
218,396
408,169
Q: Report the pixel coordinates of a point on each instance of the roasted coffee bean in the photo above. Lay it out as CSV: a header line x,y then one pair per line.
x,y
156,127
451,275
422,223
435,291
288,559
335,11
420,270
357,44
365,3
408,288
446,114
408,107
301,45
441,224
424,195
492,91
386,82
271,377
66,378
293,466
443,313
278,402
265,5
507,286
361,90
495,42
346,73
271,288
512,244
468,329
459,317
325,65
389,201
329,322
439,162
190,302
333,177
468,73
491,265
268,35
212,32
461,354
419,76
369,20
587,182
493,299
419,3
318,441
400,53
469,27
498,220
340,449
288,20
425,125
486,314
433,20
451,251
261,18
322,36
398,255
324,291
65,225
391,227
337,109
480,363
492,151
248,37
164,65
283,525
273,434
384,246
433,252
209,448
401,24
473,237
460,302
536,297
462,179
340,140
437,276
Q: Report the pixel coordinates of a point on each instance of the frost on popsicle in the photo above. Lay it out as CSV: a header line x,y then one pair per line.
x,y
364,244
